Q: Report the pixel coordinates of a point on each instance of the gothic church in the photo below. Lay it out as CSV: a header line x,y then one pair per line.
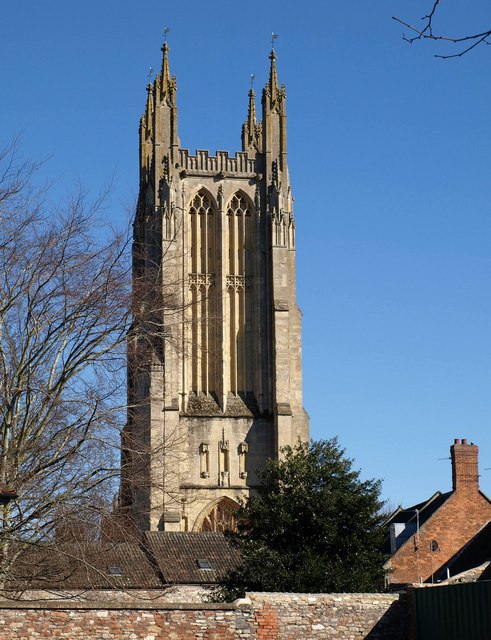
x,y
214,353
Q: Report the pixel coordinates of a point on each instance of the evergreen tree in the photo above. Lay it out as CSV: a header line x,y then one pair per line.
x,y
313,527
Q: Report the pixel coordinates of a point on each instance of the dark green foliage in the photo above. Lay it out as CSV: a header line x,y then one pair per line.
x,y
313,527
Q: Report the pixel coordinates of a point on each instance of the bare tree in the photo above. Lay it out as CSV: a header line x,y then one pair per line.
x,y
71,312
426,31
64,315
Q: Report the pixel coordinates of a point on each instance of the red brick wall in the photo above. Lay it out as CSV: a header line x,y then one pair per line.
x,y
275,616
266,619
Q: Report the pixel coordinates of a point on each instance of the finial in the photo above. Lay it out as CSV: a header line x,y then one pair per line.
x,y
165,46
150,75
253,77
273,38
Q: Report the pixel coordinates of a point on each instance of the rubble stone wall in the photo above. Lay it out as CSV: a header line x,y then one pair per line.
x,y
261,616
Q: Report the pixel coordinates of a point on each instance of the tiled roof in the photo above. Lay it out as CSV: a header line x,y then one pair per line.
x,y
426,509
162,558
177,555
85,566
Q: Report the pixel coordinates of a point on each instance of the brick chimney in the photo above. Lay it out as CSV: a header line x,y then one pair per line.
x,y
465,473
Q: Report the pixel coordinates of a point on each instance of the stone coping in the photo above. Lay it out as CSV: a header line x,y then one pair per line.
x,y
138,605
105,601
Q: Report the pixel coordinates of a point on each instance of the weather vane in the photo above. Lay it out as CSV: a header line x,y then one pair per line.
x,y
273,38
166,31
253,77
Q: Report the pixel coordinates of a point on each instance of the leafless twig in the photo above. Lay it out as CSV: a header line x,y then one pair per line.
x,y
426,32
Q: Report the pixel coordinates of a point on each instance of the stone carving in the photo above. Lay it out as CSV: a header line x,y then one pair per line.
x,y
201,280
239,283
204,460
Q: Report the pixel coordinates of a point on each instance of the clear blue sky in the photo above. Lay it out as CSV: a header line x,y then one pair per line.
x,y
390,166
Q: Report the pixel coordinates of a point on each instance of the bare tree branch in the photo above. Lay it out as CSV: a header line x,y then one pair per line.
x,y
426,32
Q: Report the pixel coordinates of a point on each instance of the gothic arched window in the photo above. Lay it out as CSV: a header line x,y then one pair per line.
x,y
239,283
202,286
219,516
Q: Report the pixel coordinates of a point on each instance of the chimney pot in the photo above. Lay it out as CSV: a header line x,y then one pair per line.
x,y
464,440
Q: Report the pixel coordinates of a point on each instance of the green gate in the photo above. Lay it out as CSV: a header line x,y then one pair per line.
x,y
452,612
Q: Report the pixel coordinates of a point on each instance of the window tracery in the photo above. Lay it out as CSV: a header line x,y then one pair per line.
x,y
239,286
201,282
219,516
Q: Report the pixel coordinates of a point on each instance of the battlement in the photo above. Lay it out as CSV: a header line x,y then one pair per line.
x,y
205,165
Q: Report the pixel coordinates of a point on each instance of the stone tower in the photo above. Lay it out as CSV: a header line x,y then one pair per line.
x,y
214,354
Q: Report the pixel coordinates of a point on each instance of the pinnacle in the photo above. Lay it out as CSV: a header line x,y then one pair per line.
x,y
165,66
273,76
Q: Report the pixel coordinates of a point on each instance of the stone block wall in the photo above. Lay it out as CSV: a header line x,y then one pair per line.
x,y
348,616
259,617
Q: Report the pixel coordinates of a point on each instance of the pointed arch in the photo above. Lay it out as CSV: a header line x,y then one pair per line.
x,y
203,270
202,208
219,515
240,231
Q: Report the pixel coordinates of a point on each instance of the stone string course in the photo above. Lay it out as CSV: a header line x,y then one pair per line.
x,y
260,616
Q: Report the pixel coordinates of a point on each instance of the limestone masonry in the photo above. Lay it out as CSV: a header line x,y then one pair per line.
x,y
214,355
262,616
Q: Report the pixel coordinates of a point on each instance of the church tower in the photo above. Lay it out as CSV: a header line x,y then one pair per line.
x,y
214,353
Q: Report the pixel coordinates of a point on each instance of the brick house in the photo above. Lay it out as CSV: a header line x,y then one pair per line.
x,y
425,537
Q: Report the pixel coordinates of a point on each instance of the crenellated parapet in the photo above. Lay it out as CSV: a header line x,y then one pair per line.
x,y
221,165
